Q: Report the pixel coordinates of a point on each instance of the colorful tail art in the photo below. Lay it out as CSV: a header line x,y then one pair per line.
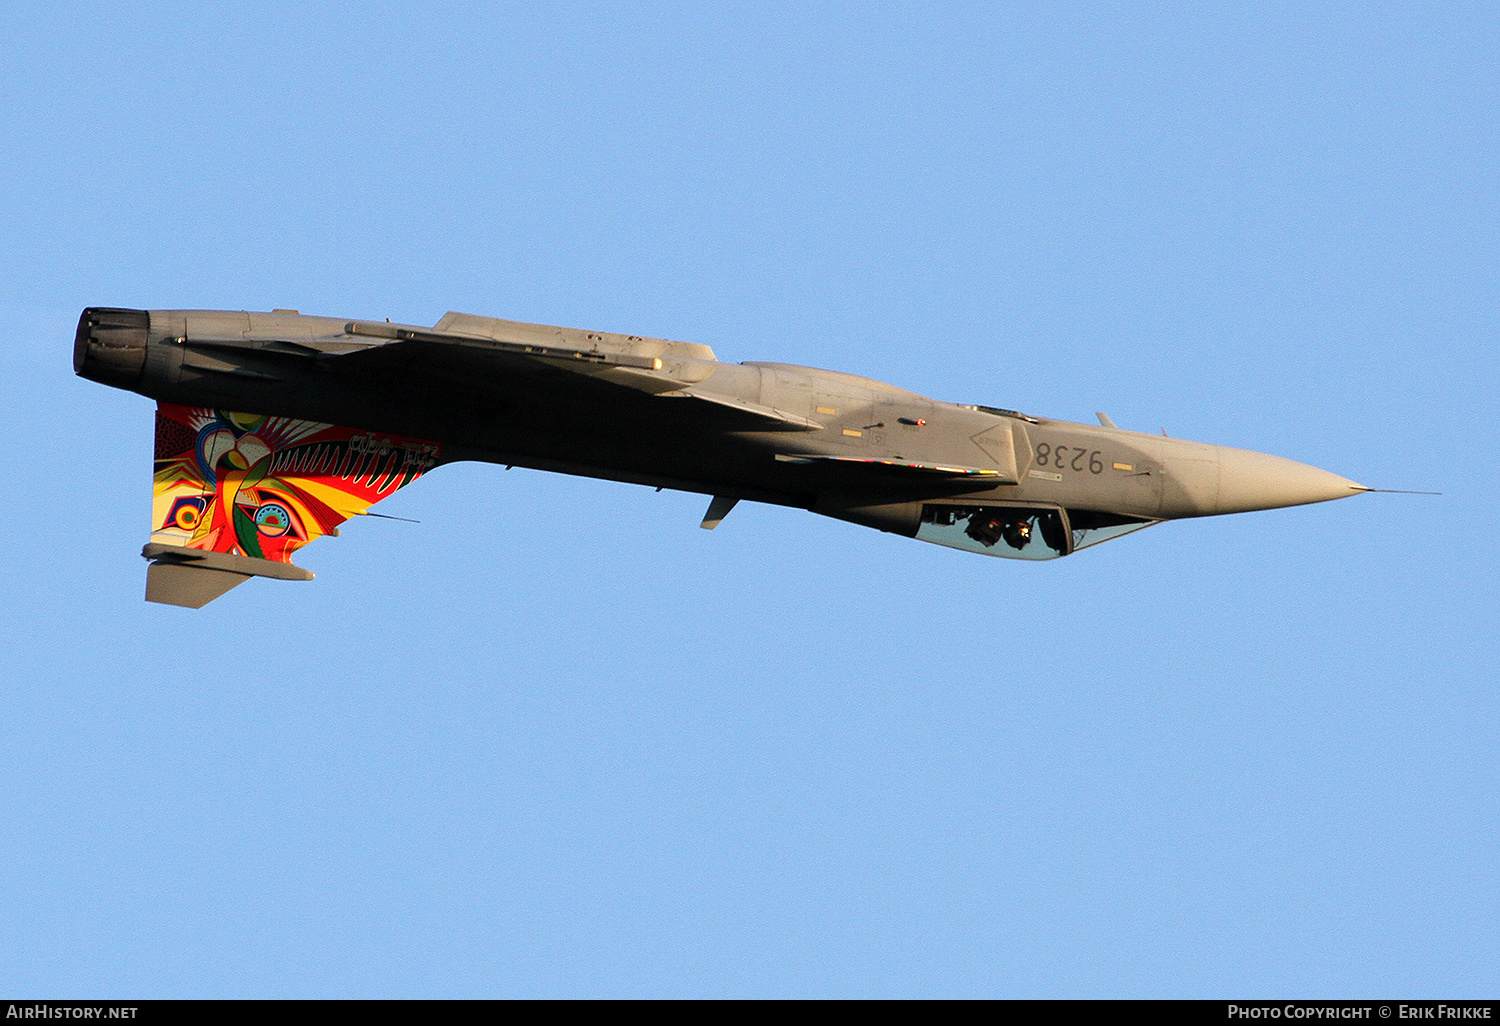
x,y
260,488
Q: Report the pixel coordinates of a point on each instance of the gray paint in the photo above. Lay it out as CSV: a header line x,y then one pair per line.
x,y
668,414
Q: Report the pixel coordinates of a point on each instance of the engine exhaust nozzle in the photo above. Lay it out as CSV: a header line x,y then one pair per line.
x,y
111,345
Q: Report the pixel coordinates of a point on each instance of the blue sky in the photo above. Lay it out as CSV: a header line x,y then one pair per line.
x,y
554,739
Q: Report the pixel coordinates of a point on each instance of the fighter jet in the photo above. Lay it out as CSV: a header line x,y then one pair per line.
x,y
274,428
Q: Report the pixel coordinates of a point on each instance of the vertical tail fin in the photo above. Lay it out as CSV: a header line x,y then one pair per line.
x,y
235,494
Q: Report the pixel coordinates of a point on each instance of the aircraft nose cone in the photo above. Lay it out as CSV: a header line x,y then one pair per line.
x,y
1254,480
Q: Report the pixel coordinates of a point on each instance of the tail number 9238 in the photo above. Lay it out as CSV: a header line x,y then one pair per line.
x,y
1065,457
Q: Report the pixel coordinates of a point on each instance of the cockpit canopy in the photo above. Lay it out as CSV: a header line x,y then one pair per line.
x,y
1020,531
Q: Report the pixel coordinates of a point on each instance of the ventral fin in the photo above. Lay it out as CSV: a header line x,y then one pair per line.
x,y
717,511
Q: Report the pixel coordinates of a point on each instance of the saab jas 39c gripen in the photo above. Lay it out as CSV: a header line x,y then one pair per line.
x,y
331,416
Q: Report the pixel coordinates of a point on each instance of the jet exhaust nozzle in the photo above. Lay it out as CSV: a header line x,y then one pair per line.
x,y
111,345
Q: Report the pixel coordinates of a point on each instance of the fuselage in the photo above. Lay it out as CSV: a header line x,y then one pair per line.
x,y
836,443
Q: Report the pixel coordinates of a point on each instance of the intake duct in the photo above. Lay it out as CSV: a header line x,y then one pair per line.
x,y
111,345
